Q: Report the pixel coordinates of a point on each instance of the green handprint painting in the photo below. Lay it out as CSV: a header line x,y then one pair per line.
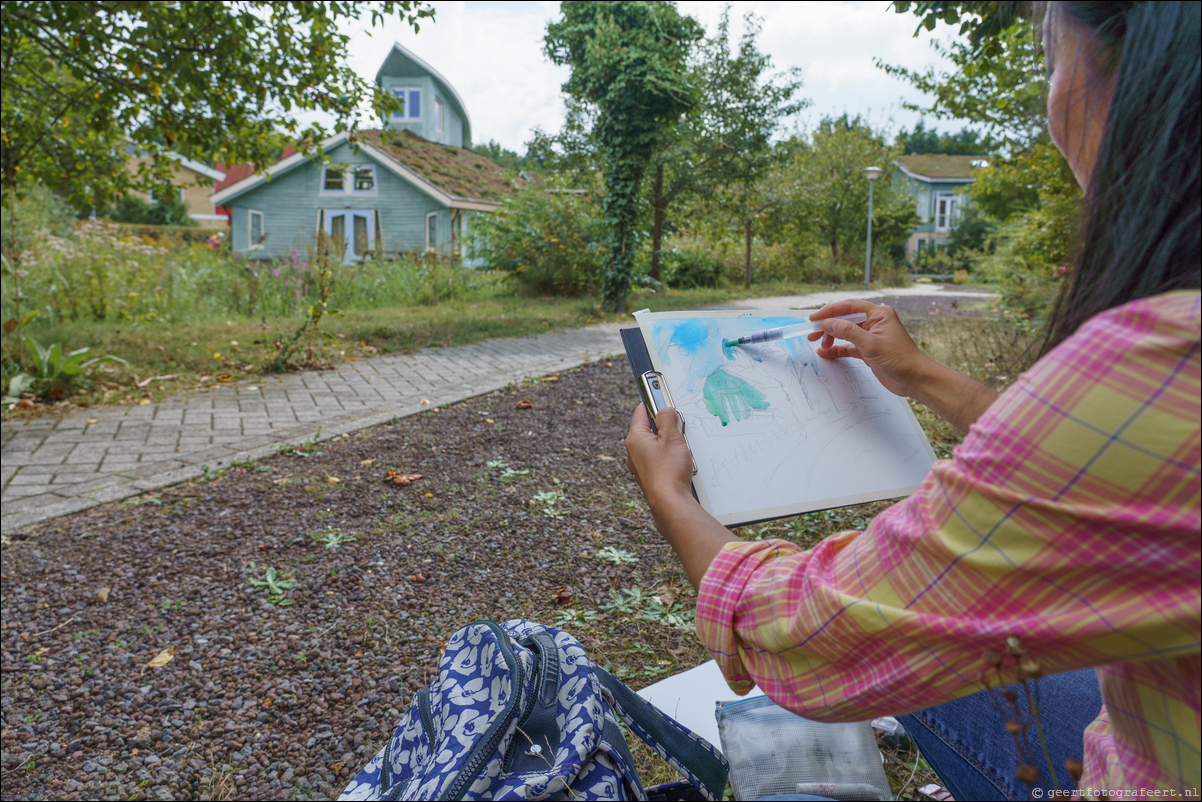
x,y
729,397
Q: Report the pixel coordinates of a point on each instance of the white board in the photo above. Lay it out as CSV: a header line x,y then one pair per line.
x,y
775,429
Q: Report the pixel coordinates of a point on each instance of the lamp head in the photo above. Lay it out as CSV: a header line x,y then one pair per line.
x,y
872,173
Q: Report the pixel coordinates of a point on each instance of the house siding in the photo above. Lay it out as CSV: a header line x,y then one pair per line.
x,y
290,203
924,191
452,133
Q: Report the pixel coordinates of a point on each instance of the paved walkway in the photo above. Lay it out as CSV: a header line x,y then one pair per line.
x,y
53,466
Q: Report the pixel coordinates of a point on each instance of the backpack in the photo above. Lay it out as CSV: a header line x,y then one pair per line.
x,y
520,712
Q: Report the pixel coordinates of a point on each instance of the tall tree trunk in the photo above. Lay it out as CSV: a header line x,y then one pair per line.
x,y
835,249
747,256
657,225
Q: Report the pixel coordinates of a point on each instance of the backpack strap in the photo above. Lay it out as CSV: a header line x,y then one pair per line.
x,y
683,749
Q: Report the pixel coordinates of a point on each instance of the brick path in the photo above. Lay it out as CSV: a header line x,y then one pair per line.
x,y
52,466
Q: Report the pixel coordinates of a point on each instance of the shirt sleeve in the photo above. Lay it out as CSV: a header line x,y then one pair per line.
x,y
1068,517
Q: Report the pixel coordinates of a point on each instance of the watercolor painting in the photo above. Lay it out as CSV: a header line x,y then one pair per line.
x,y
775,427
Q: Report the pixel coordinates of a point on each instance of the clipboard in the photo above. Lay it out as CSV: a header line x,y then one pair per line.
x,y
860,486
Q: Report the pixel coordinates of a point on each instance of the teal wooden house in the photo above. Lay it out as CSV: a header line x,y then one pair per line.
x,y
933,181
410,186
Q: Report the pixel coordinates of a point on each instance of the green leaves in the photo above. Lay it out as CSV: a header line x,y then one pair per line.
x,y
209,80
629,59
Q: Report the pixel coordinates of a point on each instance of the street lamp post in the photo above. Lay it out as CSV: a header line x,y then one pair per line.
x,y
872,174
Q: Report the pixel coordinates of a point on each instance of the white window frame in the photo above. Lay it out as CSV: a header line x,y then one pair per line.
x,y
946,220
349,255
374,180
439,115
325,172
406,116
431,246
250,216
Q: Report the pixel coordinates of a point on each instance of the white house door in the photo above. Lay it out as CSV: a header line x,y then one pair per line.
x,y
352,231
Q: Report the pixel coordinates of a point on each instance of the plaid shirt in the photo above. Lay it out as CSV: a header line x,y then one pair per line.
x,y
1069,517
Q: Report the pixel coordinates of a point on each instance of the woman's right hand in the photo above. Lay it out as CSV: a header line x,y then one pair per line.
x,y
881,341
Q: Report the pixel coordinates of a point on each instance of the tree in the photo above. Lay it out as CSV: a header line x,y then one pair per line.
x,y
966,142
823,192
502,156
723,144
629,60
999,85
214,81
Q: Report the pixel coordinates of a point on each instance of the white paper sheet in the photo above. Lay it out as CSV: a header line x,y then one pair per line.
x,y
775,429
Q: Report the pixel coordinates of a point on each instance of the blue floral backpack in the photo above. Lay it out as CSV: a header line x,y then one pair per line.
x,y
520,712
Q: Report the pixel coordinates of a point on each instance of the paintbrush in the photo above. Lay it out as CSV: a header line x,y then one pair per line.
x,y
795,330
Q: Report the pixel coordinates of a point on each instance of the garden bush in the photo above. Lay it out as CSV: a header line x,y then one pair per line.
x,y
38,214
547,239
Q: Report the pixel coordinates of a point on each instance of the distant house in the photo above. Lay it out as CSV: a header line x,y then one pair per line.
x,y
186,176
410,186
932,180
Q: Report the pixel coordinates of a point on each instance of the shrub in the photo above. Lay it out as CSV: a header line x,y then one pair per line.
x,y
40,213
686,268
547,239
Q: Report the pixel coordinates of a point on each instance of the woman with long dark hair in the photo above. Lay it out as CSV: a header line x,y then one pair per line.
x,y
1060,544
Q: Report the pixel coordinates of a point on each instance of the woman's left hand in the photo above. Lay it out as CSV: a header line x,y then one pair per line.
x,y
662,463
663,466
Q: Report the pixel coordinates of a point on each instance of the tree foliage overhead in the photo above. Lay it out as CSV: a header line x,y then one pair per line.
x,y
629,60
998,81
213,81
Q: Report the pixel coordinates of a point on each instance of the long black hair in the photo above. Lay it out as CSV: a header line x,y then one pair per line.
x,y
1142,229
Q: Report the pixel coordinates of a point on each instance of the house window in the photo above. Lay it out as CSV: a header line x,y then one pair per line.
x,y
432,231
365,178
254,227
333,180
922,245
945,211
411,96
438,115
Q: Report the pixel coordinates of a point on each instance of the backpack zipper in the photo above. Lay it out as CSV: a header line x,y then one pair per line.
x,y
488,746
423,708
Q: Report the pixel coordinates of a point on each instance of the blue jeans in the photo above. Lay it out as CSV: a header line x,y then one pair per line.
x,y
967,745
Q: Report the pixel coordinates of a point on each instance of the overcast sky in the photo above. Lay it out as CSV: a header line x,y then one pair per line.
x,y
492,53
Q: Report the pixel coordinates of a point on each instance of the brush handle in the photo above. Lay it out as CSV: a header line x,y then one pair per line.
x,y
797,329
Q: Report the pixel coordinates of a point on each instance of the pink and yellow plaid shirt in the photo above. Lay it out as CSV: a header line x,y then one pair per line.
x,y
1069,517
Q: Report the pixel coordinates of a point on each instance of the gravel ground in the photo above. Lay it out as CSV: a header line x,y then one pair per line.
x,y
264,701
285,700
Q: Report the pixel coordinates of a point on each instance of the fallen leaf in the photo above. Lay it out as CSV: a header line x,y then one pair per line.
x,y
24,403
367,462
102,595
224,379
525,404
401,478
161,659
337,767
41,650
607,458
10,325
609,364
93,420
332,480
429,495
417,579
489,420
563,598
144,402
550,378
425,401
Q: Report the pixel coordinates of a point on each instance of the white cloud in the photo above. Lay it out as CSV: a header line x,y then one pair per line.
x,y
492,52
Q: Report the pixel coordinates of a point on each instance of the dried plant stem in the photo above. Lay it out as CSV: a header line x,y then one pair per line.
x,y
1047,755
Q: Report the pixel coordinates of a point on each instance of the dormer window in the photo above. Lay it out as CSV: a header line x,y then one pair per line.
x,y
411,96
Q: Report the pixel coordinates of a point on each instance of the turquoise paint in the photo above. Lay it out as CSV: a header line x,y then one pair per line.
x,y
729,396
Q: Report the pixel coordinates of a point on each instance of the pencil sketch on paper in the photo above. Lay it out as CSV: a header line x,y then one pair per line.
x,y
775,427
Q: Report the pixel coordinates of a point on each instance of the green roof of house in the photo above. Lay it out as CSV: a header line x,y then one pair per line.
x,y
456,171
934,165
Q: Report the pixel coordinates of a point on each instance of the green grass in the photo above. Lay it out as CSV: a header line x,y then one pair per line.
x,y
200,354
